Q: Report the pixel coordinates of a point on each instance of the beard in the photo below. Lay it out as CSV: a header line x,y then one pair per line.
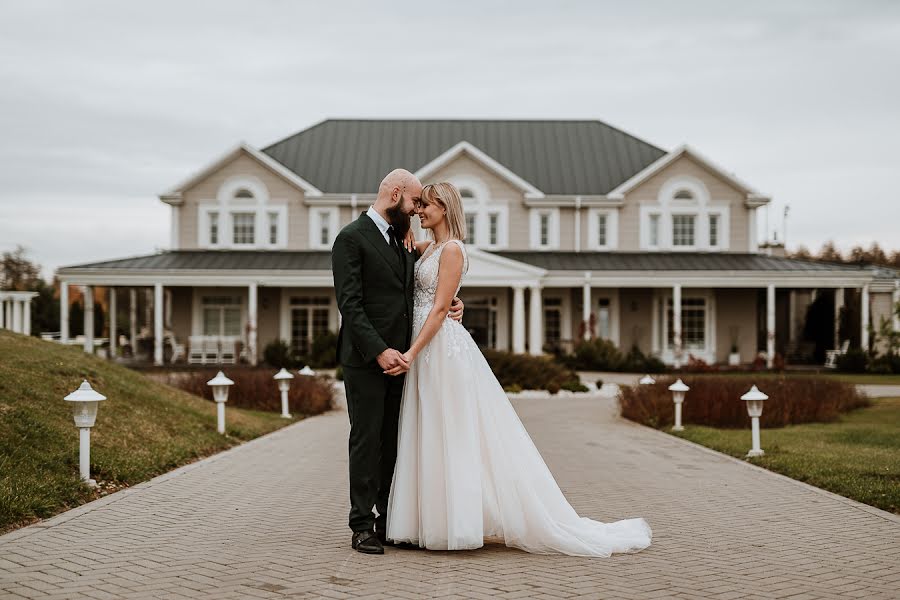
x,y
398,219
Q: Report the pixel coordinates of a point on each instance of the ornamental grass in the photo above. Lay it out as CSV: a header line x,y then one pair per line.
x,y
255,389
715,401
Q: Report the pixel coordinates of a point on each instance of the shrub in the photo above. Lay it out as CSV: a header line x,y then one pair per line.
x,y
513,389
596,355
574,386
528,372
255,389
853,360
339,373
277,354
715,401
323,352
886,364
698,365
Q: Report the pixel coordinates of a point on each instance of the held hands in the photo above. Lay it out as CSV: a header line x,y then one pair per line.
x,y
393,362
402,366
456,309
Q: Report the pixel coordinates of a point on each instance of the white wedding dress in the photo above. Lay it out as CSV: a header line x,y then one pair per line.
x,y
467,468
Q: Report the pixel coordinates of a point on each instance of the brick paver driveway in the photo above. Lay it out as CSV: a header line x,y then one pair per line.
x,y
267,520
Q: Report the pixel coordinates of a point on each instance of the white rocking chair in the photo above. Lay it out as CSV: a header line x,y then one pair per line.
x,y
831,356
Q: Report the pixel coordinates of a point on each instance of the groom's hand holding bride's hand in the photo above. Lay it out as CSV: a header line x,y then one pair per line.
x,y
402,367
391,360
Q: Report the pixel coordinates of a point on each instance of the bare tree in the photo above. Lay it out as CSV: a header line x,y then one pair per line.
x,y
17,272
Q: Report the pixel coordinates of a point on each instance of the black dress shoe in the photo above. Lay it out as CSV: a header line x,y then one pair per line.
x,y
367,542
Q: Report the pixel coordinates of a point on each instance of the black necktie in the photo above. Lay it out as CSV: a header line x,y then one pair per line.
x,y
395,244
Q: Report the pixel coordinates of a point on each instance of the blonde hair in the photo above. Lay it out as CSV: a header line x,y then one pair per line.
x,y
446,195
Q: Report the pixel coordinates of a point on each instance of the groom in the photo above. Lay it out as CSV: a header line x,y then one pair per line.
x,y
373,282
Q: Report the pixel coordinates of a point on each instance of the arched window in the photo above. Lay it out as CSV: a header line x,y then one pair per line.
x,y
684,217
243,193
241,216
486,221
683,194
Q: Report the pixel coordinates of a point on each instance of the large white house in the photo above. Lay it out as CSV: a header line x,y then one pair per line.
x,y
577,229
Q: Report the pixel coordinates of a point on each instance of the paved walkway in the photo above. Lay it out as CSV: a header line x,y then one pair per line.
x,y
267,520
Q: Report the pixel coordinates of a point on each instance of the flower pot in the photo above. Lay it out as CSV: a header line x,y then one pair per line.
x,y
734,359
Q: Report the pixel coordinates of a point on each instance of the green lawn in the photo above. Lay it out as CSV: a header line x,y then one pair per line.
x,y
857,457
144,429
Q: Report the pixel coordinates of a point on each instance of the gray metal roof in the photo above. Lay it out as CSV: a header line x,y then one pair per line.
x,y
557,157
671,261
290,260
218,260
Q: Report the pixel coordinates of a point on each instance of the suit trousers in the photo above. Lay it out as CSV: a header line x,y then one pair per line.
x,y
373,403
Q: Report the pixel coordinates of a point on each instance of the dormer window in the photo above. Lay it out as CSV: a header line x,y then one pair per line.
x,y
242,216
486,220
684,218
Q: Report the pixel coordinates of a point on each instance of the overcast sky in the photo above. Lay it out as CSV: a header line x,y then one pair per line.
x,y
104,105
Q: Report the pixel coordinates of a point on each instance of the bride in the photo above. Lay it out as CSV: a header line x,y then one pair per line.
x,y
466,467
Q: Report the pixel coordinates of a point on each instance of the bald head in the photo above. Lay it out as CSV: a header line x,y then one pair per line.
x,y
397,179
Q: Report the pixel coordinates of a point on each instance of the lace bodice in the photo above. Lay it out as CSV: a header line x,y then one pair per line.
x,y
426,283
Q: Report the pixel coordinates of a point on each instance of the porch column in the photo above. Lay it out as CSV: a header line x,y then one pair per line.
x,y
535,323
26,316
895,310
864,319
770,325
17,315
157,324
677,348
132,320
63,312
113,338
251,322
2,313
88,318
518,345
838,305
654,325
586,305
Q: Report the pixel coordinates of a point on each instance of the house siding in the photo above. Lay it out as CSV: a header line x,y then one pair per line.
x,y
736,313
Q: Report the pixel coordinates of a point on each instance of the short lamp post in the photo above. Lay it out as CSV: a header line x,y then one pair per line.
x,y
220,385
283,377
678,389
646,380
754,399
306,371
85,403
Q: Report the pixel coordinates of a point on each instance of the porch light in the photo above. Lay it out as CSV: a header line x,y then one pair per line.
x,y
646,380
85,401
219,385
755,399
306,371
283,377
678,389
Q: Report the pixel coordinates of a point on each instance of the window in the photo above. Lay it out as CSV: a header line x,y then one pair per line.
x,y
244,228
604,325
601,229
545,229
683,195
221,315
683,230
713,230
310,318
654,230
213,228
552,322
471,235
480,320
493,228
324,227
466,193
243,193
693,323
273,228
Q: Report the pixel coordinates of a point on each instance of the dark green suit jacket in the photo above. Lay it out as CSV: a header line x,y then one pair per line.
x,y
374,294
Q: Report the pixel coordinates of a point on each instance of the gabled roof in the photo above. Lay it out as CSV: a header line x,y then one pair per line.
x,y
173,196
753,197
555,157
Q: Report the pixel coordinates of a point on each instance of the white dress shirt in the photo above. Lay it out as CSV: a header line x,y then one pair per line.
x,y
382,224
